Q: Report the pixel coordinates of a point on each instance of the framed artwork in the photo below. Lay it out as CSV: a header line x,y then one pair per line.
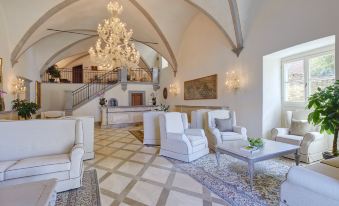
x,y
0,72
202,88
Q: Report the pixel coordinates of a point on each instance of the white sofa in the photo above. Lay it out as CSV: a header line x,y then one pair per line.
x,y
52,114
314,185
179,142
42,149
88,130
215,137
151,127
312,144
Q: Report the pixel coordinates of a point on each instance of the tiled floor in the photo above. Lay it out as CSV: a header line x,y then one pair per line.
x,y
133,174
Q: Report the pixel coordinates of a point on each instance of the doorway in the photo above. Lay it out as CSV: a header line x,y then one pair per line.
x,y
137,98
77,74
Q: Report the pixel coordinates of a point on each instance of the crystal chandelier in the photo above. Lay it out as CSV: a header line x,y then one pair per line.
x,y
114,48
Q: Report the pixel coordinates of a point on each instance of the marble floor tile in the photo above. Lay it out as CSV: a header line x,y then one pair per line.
x,y
124,154
145,193
131,168
109,162
180,199
156,174
115,183
186,182
161,161
139,157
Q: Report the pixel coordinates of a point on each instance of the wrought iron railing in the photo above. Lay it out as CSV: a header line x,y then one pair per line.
x,y
86,76
95,87
69,76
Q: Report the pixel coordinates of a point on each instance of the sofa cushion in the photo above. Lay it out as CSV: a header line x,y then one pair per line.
x,y
39,165
325,169
224,125
3,167
229,136
334,162
290,139
196,140
299,127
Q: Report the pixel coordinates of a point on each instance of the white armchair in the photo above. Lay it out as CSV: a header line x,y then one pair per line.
x,y
312,144
215,136
179,142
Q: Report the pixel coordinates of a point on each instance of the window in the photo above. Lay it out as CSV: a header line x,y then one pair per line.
x,y
304,73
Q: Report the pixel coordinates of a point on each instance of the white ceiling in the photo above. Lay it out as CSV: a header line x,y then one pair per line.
x,y
161,21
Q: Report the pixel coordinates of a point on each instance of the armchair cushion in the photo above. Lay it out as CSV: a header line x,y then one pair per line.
x,y
195,132
229,136
38,166
299,127
224,125
196,140
290,139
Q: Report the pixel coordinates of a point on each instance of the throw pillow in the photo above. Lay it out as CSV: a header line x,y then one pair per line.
x,y
299,127
224,125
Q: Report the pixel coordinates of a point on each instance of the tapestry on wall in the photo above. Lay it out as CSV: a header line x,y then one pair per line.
x,y
202,88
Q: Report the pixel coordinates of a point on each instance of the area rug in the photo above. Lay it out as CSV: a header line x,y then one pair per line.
x,y
87,195
230,180
139,134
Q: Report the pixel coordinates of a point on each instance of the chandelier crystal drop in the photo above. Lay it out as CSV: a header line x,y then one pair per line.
x,y
114,48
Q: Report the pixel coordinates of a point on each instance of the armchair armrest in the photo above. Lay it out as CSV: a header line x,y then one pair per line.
x,y
314,181
179,140
313,136
195,132
279,131
77,154
216,133
240,130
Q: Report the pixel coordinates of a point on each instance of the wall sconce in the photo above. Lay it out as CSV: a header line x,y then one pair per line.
x,y
232,80
19,86
173,89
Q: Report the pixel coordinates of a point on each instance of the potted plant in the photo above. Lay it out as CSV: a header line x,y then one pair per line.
x,y
102,101
54,72
325,106
25,108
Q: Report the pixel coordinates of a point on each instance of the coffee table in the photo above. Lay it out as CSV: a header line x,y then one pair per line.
x,y
270,150
40,193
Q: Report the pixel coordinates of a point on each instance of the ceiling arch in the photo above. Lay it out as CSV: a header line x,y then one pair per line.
x,y
146,17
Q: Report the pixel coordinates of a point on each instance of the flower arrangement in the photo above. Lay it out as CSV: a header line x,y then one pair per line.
x,y
163,108
255,142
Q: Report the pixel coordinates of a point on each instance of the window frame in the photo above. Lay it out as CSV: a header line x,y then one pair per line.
x,y
305,56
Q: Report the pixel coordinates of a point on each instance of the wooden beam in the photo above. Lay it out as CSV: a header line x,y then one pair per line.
x,y
237,26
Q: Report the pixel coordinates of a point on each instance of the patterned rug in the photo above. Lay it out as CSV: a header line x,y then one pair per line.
x,y
139,134
87,195
230,180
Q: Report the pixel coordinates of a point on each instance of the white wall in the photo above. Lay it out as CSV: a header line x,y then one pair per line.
x,y
271,94
54,98
53,95
92,108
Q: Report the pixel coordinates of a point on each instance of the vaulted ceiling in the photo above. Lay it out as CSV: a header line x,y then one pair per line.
x,y
160,21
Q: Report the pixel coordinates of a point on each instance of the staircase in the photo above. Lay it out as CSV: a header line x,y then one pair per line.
x,y
96,87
